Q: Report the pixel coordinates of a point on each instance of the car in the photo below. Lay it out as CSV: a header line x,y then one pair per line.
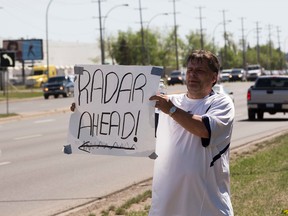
x,y
237,74
224,75
176,77
254,71
220,89
162,89
59,85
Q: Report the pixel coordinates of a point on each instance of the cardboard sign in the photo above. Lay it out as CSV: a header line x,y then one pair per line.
x,y
113,113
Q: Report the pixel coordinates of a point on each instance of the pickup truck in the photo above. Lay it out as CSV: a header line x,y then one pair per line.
x,y
59,85
268,94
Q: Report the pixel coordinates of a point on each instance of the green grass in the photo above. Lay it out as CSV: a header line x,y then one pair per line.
x,y
259,183
7,115
21,95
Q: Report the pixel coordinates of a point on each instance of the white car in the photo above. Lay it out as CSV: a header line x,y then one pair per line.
x,y
225,75
218,88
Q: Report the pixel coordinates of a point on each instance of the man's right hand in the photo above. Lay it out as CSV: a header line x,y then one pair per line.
x,y
72,107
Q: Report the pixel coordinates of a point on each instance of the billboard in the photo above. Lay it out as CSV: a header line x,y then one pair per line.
x,y
31,49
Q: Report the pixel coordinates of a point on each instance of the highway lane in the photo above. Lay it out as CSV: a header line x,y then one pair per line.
x,y
38,179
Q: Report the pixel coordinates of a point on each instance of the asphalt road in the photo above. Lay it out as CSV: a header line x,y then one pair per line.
x,y
38,179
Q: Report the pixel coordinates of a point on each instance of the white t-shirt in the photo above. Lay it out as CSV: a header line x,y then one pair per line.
x,y
191,175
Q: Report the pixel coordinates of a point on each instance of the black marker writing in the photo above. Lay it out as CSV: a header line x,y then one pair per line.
x,y
109,124
111,88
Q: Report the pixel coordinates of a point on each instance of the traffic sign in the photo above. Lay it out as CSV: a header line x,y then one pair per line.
x,y
7,59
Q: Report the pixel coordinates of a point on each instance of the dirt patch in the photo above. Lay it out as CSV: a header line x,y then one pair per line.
x,y
114,200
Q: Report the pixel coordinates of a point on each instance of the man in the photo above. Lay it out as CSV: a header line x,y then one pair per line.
x,y
191,173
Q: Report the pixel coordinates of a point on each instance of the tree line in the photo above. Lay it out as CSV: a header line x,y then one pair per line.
x,y
127,48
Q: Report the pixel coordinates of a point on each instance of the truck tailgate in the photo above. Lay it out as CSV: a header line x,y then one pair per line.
x,y
269,96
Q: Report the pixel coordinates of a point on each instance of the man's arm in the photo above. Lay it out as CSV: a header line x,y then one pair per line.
x,y
192,123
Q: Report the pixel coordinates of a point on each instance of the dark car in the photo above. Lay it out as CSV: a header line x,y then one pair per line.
x,y
237,74
176,77
59,85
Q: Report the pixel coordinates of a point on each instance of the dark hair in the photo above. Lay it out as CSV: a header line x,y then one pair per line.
x,y
209,57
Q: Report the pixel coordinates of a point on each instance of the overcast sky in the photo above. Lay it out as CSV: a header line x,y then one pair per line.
x,y
78,20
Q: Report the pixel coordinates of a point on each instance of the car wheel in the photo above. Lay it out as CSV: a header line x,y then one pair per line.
x,y
46,97
260,115
251,115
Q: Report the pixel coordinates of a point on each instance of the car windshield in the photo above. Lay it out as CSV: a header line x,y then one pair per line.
x,y
38,72
236,72
277,83
253,67
175,73
57,79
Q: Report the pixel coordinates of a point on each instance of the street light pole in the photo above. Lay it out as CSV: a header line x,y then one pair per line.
x,y
220,23
214,35
104,22
47,38
175,36
106,15
147,29
142,35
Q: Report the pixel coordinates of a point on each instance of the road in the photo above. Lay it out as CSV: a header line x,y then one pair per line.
x,y
38,179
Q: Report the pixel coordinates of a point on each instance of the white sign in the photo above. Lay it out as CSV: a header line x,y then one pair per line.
x,y
113,113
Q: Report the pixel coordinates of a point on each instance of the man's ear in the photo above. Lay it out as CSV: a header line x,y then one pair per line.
x,y
215,77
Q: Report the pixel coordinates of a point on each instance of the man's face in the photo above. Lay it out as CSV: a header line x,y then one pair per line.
x,y
199,79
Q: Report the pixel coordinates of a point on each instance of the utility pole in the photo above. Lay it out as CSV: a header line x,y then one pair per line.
x,y
279,47
142,36
270,46
201,29
243,44
225,40
101,34
175,36
258,46
278,38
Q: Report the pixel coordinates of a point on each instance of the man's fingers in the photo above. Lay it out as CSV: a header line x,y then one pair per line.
x,y
154,97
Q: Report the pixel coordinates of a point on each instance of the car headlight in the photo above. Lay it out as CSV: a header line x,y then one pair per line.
x,y
169,78
61,88
46,89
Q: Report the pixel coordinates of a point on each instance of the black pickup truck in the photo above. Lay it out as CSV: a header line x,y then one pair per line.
x,y
268,94
59,85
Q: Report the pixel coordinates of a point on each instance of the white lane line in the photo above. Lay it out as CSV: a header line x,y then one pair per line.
x,y
4,163
44,121
28,137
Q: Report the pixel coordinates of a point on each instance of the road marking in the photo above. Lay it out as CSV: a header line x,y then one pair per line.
x,y
4,163
28,137
44,121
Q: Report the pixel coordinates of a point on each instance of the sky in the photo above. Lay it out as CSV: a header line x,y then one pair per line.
x,y
78,20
